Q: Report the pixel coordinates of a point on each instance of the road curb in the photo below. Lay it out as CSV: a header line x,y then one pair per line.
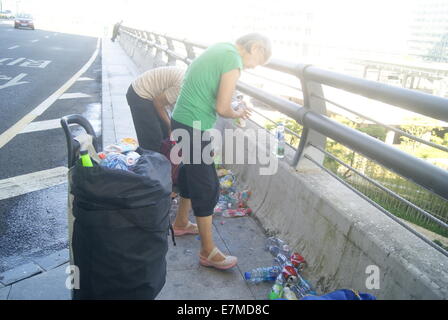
x,y
108,127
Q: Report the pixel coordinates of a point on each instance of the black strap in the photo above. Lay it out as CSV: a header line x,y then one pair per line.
x,y
172,234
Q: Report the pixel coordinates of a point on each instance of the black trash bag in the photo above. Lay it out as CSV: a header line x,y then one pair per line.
x,y
120,233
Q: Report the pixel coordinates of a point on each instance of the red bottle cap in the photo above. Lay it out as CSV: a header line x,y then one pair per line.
x,y
297,259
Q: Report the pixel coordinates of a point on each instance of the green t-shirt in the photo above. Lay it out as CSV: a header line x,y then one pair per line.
x,y
197,98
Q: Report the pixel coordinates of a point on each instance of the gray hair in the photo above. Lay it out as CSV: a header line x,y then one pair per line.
x,y
248,40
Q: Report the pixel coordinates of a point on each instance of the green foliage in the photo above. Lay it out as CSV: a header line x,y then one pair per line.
x,y
424,199
375,131
291,125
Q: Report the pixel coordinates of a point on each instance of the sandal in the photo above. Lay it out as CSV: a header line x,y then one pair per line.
x,y
191,228
227,263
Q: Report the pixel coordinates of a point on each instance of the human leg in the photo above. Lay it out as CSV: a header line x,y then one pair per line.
x,y
146,121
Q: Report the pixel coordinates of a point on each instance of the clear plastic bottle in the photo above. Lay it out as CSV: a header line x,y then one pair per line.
x,y
262,274
302,287
282,260
283,249
277,289
115,161
288,294
280,134
273,241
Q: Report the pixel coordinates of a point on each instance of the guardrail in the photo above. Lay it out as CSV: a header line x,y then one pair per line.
x,y
317,126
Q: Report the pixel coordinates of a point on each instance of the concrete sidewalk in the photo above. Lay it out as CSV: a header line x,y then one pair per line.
x,y
186,279
241,237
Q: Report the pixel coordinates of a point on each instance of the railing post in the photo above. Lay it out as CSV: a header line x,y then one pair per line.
x,y
190,51
171,59
310,90
158,58
149,54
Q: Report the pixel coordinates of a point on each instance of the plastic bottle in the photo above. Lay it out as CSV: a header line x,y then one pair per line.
x,y
281,260
277,289
115,161
85,159
236,105
288,294
295,260
280,134
262,274
227,181
273,241
298,291
290,275
302,288
284,249
243,198
298,261
132,158
240,212
305,285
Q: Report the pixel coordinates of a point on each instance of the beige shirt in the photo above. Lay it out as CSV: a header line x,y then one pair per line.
x,y
154,82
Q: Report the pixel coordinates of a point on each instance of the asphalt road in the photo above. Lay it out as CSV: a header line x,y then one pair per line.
x,y
35,224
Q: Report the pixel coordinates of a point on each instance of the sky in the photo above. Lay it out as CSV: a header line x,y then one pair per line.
x,y
369,24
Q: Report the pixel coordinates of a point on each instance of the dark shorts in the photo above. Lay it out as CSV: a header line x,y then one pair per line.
x,y
150,129
198,182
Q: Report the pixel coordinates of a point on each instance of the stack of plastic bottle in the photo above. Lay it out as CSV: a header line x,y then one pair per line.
x,y
231,203
121,156
288,283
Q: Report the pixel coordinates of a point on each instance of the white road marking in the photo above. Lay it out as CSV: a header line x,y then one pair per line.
x,y
27,63
85,79
15,61
15,82
34,40
9,134
3,77
46,37
16,186
42,125
35,63
74,95
13,47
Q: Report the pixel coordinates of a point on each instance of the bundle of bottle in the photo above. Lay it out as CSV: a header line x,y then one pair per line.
x,y
121,156
288,282
231,203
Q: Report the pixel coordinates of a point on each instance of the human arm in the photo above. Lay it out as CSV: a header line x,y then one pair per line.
x,y
224,97
160,102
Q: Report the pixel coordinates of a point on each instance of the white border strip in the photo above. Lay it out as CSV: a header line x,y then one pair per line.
x,y
35,181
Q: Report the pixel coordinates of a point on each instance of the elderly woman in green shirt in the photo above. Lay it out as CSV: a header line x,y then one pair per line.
x,y
207,90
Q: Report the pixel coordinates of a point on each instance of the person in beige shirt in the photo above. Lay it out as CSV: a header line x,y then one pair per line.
x,y
150,98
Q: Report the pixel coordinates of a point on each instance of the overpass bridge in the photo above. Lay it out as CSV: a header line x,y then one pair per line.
x,y
331,220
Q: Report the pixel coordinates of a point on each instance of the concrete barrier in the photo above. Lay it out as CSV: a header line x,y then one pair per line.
x,y
343,237
138,52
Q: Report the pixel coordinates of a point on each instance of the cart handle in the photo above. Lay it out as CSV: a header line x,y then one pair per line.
x,y
72,144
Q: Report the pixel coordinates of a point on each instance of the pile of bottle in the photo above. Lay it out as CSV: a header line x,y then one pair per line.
x,y
121,156
231,203
289,284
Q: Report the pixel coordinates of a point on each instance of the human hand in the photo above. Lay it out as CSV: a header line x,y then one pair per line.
x,y
244,112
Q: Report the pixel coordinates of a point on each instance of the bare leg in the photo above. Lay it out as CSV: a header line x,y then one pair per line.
x,y
181,220
206,233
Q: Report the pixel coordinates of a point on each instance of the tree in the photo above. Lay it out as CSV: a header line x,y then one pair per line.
x,y
439,53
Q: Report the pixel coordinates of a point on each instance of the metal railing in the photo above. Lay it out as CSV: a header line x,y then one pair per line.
x,y
317,127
